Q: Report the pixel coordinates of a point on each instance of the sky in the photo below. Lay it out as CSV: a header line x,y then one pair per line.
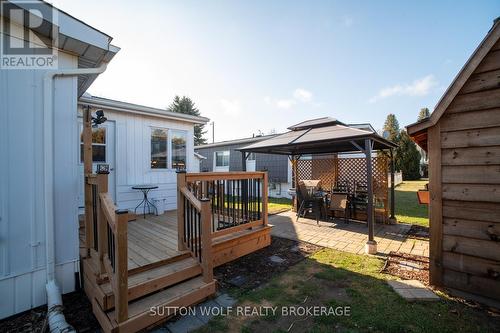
x,y
261,66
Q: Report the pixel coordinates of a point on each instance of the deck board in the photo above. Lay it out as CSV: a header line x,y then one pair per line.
x,y
150,240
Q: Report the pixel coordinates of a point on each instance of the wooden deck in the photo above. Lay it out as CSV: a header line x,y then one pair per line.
x,y
150,241
131,263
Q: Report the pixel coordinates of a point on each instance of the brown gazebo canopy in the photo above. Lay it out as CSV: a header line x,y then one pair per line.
x,y
326,136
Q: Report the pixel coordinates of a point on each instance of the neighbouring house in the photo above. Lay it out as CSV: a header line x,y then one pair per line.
x,y
224,156
462,139
142,145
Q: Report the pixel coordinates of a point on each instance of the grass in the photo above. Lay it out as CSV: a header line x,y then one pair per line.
x,y
337,279
278,205
408,210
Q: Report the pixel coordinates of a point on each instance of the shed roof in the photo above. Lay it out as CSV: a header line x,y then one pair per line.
x,y
319,139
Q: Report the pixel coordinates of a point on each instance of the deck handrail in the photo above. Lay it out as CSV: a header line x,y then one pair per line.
x,y
114,251
194,227
238,199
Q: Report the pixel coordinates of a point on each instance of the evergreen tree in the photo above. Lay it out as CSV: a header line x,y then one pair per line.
x,y
423,114
391,128
186,105
407,157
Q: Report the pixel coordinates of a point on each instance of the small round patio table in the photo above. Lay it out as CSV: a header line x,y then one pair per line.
x,y
145,201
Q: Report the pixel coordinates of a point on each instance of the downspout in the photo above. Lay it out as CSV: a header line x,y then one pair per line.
x,y
56,320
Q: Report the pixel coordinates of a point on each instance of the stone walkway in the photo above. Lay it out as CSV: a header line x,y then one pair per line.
x,y
348,237
412,290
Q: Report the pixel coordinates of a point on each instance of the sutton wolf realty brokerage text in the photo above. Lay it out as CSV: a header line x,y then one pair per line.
x,y
250,311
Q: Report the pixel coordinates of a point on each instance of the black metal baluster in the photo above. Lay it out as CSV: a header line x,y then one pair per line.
x,y
199,235
258,199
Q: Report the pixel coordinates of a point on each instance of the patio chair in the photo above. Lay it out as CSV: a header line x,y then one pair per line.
x,y
339,203
308,201
341,186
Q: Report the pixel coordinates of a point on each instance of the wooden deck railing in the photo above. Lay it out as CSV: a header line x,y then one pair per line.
x,y
194,226
107,242
115,258
238,200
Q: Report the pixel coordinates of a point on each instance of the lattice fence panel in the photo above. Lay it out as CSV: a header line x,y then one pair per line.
x,y
350,170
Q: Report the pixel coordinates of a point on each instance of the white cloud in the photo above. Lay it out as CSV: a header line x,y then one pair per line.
x,y
299,95
419,87
230,107
302,95
285,103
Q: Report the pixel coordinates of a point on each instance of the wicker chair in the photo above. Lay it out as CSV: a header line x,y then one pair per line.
x,y
339,203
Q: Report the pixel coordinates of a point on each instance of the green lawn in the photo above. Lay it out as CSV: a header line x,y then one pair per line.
x,y
337,279
278,205
408,210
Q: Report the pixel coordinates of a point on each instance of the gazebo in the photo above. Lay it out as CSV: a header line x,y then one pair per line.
x,y
329,136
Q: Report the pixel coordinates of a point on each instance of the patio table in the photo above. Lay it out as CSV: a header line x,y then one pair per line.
x,y
145,190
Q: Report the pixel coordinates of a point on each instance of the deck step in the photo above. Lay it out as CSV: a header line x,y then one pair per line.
x,y
147,282
187,293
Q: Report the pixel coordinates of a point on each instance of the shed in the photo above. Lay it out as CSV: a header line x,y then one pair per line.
x,y
462,138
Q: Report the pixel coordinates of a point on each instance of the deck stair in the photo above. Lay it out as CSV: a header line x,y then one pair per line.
x,y
175,284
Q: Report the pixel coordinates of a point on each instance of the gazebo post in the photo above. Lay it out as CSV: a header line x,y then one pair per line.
x,y
243,161
392,218
371,244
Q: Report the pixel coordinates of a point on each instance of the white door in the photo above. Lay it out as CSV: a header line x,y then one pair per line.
x,y
103,151
251,162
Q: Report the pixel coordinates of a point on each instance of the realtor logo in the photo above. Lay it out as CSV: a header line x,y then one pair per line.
x,y
29,34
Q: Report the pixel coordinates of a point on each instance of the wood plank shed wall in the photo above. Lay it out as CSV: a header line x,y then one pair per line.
x,y
467,182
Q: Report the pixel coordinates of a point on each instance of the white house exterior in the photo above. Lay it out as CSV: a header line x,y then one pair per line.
x,y
40,172
29,153
129,130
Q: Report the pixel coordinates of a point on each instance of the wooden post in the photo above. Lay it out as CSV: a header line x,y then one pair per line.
x,y
435,206
264,199
102,187
371,245
392,218
206,241
243,161
121,265
181,182
336,168
87,171
295,181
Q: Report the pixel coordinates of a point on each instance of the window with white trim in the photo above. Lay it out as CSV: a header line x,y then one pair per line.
x,y
98,145
179,149
159,148
222,159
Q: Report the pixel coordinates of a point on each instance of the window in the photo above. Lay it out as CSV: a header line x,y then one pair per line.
x,y
158,148
98,145
179,139
251,157
222,158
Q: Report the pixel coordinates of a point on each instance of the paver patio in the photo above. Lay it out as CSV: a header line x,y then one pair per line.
x,y
348,237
